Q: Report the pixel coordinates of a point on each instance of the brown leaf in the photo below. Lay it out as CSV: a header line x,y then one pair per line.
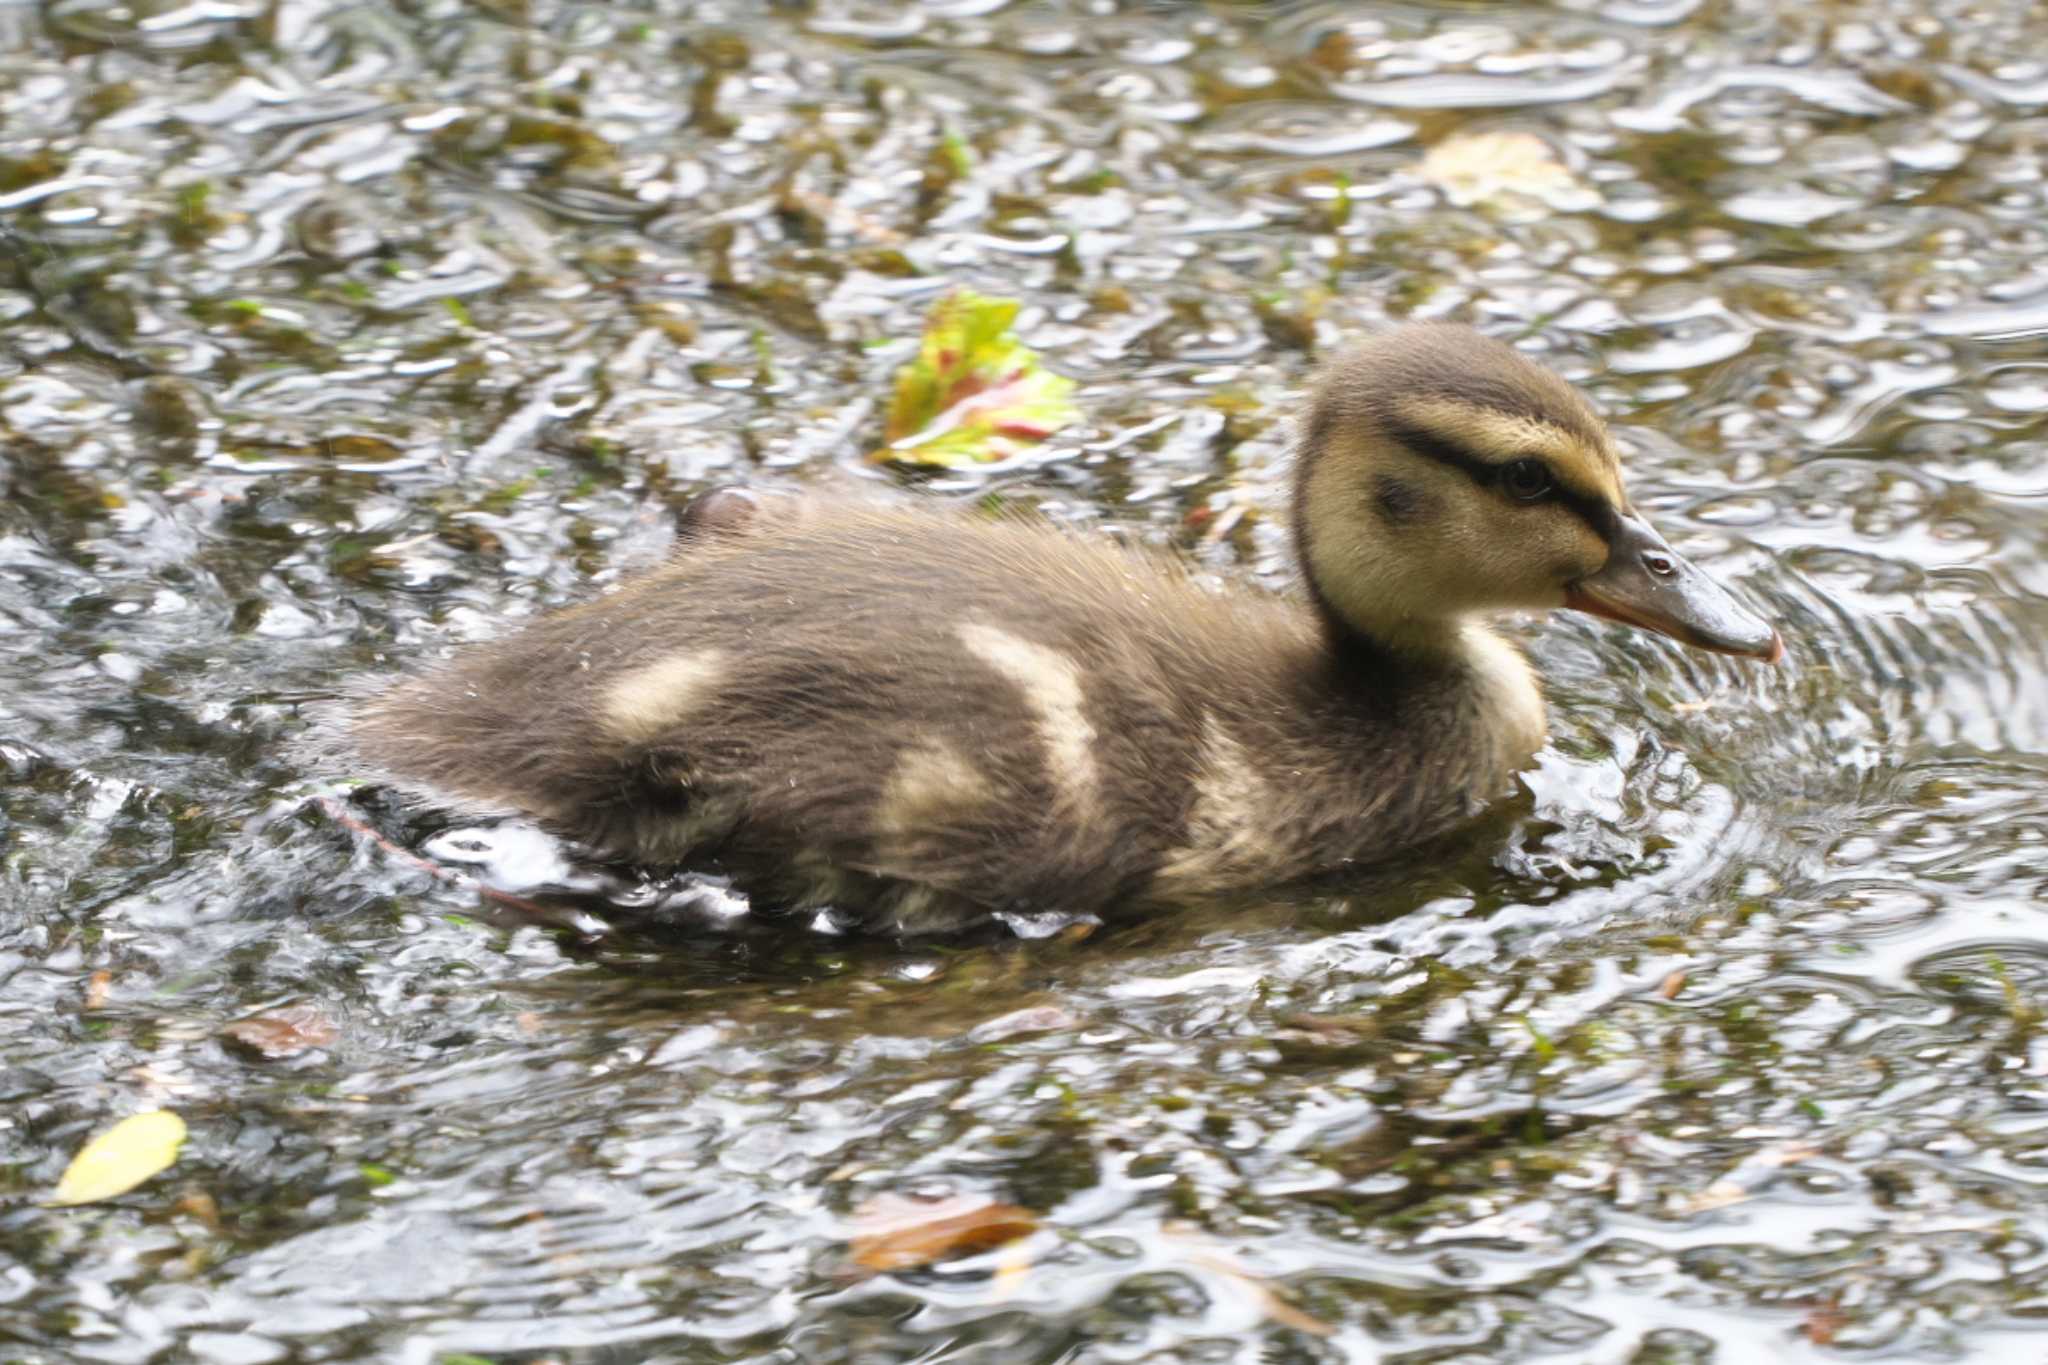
x,y
1033,1019
1197,1250
1718,1195
891,1232
1673,984
98,987
199,1204
1824,1324
1788,1154
1747,1177
282,1033
833,214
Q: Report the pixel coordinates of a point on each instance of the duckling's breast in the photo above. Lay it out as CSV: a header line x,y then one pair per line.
x,y
1357,770
1507,714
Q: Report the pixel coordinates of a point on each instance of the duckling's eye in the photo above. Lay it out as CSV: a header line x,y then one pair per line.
x,y
1526,480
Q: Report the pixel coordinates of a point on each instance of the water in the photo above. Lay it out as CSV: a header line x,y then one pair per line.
x,y
335,334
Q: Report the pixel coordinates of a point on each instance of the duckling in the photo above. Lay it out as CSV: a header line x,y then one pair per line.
x,y
923,719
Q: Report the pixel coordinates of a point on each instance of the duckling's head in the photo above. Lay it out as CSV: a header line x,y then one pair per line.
x,y
1443,475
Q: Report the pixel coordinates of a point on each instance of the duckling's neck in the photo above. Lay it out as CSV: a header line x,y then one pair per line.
x,y
1498,693
1385,639
1372,611
1415,646
1382,637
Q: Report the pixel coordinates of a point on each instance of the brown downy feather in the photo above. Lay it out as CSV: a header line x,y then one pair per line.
x,y
846,746
924,717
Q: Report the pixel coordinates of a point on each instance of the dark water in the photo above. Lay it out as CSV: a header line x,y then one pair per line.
x,y
335,333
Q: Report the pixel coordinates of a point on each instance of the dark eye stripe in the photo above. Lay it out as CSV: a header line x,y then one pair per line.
x,y
1425,442
1597,513
1594,511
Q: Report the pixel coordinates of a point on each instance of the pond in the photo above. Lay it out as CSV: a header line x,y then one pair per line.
x,y
335,334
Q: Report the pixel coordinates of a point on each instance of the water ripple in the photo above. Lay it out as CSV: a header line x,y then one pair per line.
x,y
337,336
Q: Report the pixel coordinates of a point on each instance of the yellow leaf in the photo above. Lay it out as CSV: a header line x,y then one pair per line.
x,y
1516,174
1013,1268
283,1032
974,393
121,1158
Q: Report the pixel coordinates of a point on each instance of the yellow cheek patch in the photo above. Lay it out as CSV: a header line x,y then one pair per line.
x,y
1589,551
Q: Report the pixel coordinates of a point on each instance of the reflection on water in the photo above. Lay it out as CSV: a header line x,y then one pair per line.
x,y
335,334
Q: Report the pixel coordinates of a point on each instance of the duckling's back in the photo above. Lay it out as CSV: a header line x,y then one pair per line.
x,y
918,715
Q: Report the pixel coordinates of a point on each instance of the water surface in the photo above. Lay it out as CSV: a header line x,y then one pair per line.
x,y
334,334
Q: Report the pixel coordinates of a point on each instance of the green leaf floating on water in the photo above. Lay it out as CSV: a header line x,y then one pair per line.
x,y
121,1158
974,394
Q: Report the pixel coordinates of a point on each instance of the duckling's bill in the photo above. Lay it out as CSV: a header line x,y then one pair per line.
x,y
1648,584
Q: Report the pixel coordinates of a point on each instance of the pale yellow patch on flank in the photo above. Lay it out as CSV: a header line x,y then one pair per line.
x,y
647,700
932,784
1233,839
1051,685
